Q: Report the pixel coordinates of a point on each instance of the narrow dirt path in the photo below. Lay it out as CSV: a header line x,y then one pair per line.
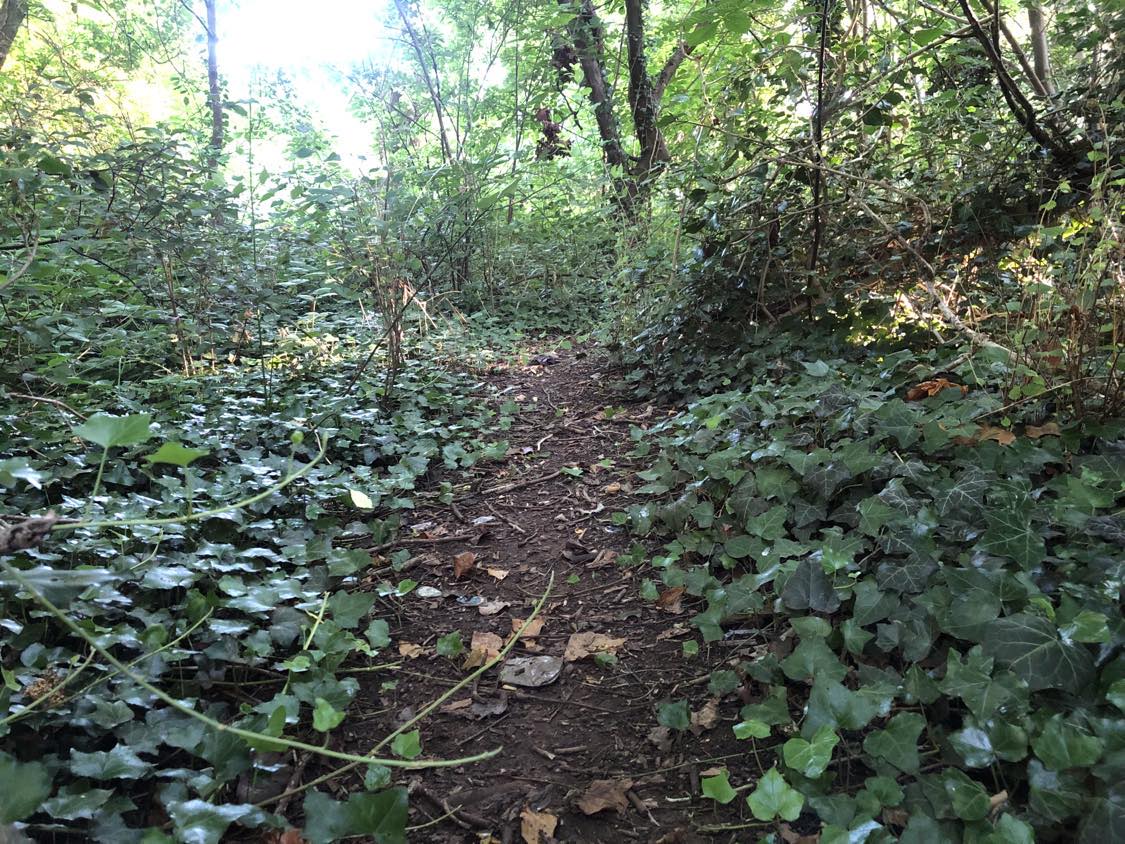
x,y
580,750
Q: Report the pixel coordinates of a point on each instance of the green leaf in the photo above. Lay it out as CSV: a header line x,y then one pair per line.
x,y
718,788
974,747
967,797
1061,745
175,454
120,763
407,745
200,822
378,633
673,714
381,816
972,681
811,758
17,469
1087,626
325,716
1013,532
361,499
348,608
1030,647
834,704
110,431
773,798
74,803
24,786
751,729
897,744
809,588
450,645
812,658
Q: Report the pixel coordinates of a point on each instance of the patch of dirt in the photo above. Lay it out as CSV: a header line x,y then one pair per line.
x,y
580,761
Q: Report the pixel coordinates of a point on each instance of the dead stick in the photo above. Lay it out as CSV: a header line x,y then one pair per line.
x,y
513,487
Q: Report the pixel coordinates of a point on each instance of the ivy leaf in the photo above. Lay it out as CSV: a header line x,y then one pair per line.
x,y
673,714
965,494
17,468
974,747
120,763
811,758
812,658
751,729
200,822
832,703
361,499
971,680
1030,646
718,788
809,588
110,431
1061,745
381,816
1013,532
774,798
967,797
378,633
325,716
407,745
897,744
24,786
450,645
72,804
348,608
175,454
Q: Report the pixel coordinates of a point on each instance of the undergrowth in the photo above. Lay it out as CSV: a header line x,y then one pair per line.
x,y
930,576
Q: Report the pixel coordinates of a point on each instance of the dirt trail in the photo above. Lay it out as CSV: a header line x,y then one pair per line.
x,y
595,722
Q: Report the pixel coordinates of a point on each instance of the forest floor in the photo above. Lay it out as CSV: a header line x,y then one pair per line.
x,y
583,757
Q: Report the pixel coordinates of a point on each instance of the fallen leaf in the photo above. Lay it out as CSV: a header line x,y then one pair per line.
x,y
409,650
1048,429
483,648
582,645
791,836
534,628
492,607
612,489
706,718
712,772
931,388
463,563
661,737
605,794
456,705
605,557
531,671
537,827
670,599
1000,435
672,632
499,574
476,710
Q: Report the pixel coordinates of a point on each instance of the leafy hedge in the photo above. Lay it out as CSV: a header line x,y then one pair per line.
x,y
951,577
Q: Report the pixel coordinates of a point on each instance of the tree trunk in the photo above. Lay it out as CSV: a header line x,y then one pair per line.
x,y
642,98
12,15
586,32
1040,52
214,91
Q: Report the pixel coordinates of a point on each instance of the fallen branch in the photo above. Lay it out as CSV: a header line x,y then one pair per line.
x,y
521,484
26,534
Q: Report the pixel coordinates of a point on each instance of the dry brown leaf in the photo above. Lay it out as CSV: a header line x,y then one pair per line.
x,y
605,794
410,650
672,632
1047,429
712,772
533,629
605,557
499,574
661,737
612,489
932,388
463,563
791,836
537,827
582,645
1000,435
706,718
457,705
492,607
483,648
670,600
